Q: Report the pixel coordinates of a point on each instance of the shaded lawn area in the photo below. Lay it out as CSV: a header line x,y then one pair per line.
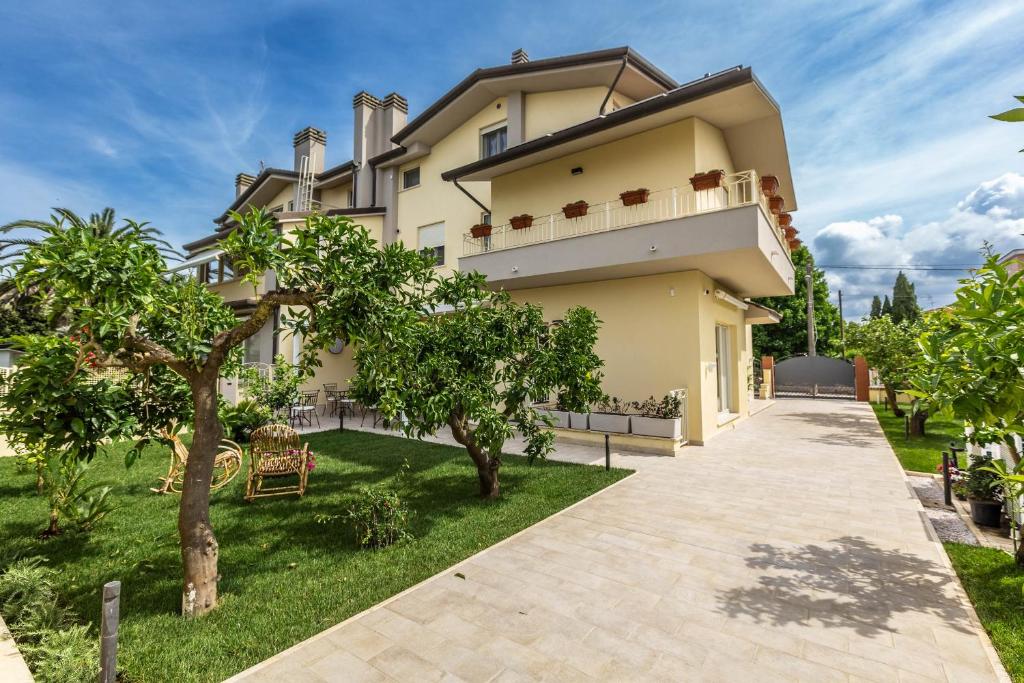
x,y
919,453
285,577
994,584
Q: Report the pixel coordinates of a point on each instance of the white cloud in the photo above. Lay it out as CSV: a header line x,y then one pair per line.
x,y
103,146
992,213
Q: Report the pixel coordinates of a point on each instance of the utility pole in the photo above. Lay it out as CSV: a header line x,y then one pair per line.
x,y
842,323
812,342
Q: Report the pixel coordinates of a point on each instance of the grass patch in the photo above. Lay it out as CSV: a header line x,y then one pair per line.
x,y
994,583
919,453
285,577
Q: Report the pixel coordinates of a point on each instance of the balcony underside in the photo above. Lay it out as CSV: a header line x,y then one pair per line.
x,y
737,247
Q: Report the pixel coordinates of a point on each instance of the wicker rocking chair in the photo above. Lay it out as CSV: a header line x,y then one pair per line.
x,y
275,452
226,466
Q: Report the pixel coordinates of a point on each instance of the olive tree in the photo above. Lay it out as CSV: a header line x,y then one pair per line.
x,y
477,365
128,313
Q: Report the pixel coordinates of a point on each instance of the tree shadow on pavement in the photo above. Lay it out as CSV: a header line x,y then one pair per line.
x,y
844,583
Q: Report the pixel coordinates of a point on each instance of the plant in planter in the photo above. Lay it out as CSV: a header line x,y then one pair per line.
x,y
521,222
708,180
785,219
956,481
557,416
658,418
480,230
769,185
574,420
794,244
776,204
610,416
982,486
575,209
634,197
790,231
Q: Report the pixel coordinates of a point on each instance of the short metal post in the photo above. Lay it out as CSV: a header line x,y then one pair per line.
x,y
947,489
341,417
108,631
953,450
607,452
906,427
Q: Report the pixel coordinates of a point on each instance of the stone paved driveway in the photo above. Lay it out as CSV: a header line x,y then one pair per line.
x,y
790,549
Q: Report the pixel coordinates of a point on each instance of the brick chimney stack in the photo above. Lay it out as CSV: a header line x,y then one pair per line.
x,y
520,56
242,183
311,142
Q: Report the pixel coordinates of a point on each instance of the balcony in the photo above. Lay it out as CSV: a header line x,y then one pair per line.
x,y
727,232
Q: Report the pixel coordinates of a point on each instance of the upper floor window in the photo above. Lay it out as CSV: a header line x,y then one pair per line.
x,y
493,140
431,241
411,178
350,202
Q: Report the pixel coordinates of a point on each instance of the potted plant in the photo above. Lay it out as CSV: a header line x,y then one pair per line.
x,y
983,492
708,180
790,232
610,416
776,204
957,481
658,418
634,197
558,415
521,222
785,219
794,244
575,209
769,185
480,230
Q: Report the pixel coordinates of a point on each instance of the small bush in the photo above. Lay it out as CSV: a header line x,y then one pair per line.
x,y
241,420
81,506
380,518
70,655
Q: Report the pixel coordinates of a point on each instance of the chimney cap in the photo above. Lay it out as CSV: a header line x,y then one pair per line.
x,y
397,101
520,56
364,98
244,179
310,133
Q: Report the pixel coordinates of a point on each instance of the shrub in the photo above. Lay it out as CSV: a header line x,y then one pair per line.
x,y
242,419
667,408
980,482
81,506
70,655
613,405
380,518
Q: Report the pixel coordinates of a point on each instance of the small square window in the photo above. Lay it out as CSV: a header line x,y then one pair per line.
x,y
411,178
493,141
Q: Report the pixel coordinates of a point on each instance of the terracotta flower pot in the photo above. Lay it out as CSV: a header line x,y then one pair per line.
x,y
634,197
794,244
708,180
575,209
480,230
790,232
521,222
785,219
769,185
776,204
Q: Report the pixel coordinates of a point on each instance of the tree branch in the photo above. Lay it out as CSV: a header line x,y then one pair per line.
x,y
228,339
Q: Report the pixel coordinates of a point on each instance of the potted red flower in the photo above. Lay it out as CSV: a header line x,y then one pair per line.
x,y
790,232
480,230
521,222
708,180
794,244
575,209
776,204
769,185
634,197
785,219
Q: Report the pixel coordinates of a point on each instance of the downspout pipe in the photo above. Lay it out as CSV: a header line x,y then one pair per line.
x,y
355,182
611,88
466,192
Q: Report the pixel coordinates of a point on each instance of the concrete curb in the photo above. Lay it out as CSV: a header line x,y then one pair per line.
x,y
12,666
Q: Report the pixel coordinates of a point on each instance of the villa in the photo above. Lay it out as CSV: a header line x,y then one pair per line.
x,y
591,179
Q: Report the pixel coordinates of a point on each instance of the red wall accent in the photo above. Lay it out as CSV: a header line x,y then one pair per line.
x,y
860,378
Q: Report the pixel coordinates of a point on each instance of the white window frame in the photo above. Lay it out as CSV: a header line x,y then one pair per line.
x,y
490,129
444,241
419,178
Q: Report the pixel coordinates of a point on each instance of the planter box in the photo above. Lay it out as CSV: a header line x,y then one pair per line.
x,y
769,185
634,197
608,422
986,512
521,222
480,230
776,205
785,219
794,244
576,209
669,428
707,181
579,420
790,232
560,417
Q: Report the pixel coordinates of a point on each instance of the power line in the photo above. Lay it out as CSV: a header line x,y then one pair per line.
x,y
950,267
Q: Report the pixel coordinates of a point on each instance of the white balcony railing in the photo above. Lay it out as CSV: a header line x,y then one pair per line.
x,y
737,189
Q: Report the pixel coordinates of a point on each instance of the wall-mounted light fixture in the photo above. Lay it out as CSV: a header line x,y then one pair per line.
x,y
578,170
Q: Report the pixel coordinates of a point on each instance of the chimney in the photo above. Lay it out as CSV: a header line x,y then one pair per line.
x,y
242,183
311,142
393,115
520,56
365,113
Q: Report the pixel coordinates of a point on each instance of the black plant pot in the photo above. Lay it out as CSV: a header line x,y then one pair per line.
x,y
986,512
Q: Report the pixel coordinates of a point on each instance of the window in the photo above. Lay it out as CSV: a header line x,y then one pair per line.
x,y
291,204
350,204
411,178
485,218
723,361
431,241
493,140
277,209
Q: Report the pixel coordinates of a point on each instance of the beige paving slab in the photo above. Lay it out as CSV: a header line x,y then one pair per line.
x,y
789,549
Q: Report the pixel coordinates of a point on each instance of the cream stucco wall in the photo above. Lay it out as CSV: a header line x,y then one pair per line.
x,y
282,198
335,197
547,112
657,159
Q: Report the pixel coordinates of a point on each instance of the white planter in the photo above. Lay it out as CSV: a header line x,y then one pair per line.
x,y
669,428
607,422
578,420
560,417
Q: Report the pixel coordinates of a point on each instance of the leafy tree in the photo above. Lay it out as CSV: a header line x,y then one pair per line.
x,y
21,315
479,369
1012,115
972,353
129,315
904,301
789,336
891,349
876,307
887,306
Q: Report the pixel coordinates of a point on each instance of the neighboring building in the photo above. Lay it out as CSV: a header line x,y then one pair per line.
x,y
669,276
1013,260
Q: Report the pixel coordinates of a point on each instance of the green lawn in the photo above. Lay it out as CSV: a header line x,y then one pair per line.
x,y
285,577
919,453
994,584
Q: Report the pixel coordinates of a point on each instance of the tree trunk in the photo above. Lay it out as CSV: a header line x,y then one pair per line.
x,y
917,421
1011,447
488,475
891,394
198,544
486,467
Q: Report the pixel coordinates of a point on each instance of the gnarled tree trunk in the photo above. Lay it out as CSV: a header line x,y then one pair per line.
x,y
486,466
198,544
917,421
891,395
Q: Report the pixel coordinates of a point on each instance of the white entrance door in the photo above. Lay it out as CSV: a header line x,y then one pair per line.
x,y
724,362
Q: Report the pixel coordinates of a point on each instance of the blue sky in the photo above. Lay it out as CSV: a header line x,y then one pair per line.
x,y
152,108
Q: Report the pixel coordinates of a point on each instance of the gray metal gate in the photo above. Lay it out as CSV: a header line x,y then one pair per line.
x,y
815,377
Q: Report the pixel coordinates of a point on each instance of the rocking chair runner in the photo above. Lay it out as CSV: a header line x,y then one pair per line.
x,y
275,452
226,465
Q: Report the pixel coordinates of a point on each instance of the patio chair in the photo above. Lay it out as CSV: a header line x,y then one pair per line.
x,y
226,465
305,409
275,452
330,398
